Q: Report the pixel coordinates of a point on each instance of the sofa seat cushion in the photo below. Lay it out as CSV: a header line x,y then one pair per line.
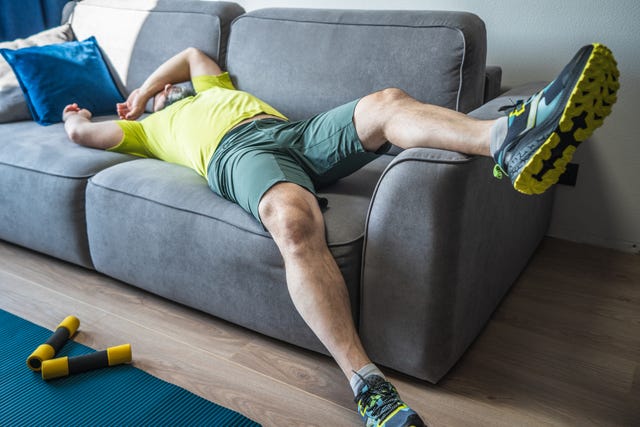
x,y
43,177
158,226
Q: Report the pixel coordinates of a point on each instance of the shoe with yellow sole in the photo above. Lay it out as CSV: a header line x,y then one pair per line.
x,y
544,131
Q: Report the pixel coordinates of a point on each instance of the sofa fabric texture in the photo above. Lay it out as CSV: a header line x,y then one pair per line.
x,y
428,242
313,60
139,35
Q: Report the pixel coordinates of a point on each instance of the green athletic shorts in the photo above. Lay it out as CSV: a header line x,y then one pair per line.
x,y
311,153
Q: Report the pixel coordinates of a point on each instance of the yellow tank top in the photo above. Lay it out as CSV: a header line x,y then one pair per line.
x,y
189,131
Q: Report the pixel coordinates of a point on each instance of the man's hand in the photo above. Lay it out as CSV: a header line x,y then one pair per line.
x,y
133,107
73,109
182,67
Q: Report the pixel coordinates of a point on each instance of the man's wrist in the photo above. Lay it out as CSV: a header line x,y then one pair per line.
x,y
75,116
148,90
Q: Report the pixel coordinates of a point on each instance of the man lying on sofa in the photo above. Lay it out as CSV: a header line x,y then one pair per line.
x,y
252,155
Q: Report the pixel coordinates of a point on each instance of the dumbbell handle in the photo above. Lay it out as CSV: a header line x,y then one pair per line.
x,y
64,366
48,350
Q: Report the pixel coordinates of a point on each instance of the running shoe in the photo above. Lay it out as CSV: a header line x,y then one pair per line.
x,y
380,405
545,130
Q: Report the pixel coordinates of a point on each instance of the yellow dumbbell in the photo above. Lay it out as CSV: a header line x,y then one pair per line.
x,y
48,350
63,366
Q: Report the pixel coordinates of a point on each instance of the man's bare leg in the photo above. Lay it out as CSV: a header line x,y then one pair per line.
x,y
532,146
317,288
392,115
319,293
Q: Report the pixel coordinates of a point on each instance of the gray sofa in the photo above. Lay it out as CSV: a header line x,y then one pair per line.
x,y
428,241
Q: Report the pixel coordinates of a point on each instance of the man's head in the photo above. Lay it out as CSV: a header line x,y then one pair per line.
x,y
169,95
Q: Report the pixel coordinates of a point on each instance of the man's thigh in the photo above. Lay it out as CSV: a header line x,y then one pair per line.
x,y
245,173
329,147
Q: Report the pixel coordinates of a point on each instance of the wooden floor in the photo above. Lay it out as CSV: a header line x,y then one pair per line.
x,y
563,349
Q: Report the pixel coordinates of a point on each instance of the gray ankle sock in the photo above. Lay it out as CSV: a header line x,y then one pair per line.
x,y
498,134
367,370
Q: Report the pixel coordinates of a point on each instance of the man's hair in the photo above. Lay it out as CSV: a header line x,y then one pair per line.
x,y
176,93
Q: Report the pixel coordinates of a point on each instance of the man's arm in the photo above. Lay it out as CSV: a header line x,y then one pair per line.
x,y
81,130
187,64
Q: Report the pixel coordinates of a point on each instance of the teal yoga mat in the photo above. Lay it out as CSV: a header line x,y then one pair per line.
x,y
119,395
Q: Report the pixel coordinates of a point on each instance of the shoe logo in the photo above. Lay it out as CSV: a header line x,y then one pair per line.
x,y
532,104
546,108
535,103
518,110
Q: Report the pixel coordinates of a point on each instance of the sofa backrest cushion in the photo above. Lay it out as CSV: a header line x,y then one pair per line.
x,y
305,61
136,36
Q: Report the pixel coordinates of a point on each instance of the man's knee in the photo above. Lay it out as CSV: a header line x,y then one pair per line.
x,y
389,96
292,216
373,114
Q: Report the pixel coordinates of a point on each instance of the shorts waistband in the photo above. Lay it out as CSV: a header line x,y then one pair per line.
x,y
234,131
240,128
244,125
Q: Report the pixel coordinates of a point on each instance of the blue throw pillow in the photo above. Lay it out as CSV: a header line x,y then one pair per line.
x,y
55,75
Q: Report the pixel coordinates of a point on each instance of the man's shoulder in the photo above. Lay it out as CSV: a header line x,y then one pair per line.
x,y
209,81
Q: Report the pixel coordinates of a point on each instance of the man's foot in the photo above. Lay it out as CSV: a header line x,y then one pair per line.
x,y
380,406
544,131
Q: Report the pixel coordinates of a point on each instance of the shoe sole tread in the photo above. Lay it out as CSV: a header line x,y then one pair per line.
x,y
589,103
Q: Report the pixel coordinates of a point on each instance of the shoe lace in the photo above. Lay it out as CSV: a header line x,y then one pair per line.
x,y
378,399
512,106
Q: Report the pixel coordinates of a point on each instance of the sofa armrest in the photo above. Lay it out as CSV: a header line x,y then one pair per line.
x,y
492,82
444,242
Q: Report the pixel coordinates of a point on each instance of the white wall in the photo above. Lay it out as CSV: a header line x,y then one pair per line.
x,y
532,40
